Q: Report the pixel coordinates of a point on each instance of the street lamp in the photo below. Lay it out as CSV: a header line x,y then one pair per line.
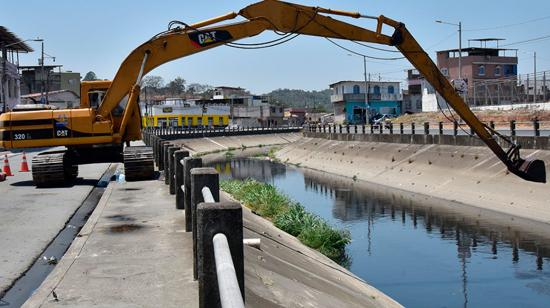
x,y
4,68
459,25
366,85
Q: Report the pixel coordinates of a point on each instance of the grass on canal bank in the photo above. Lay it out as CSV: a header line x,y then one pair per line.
x,y
291,217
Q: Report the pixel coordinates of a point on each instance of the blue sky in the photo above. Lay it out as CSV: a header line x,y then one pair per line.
x,y
98,35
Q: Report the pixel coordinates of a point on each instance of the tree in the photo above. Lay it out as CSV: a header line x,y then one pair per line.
x,y
155,82
176,86
90,76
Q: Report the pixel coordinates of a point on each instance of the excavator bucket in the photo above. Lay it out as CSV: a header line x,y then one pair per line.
x,y
531,170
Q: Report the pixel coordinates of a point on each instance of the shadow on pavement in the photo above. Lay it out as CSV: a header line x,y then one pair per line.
x,y
78,182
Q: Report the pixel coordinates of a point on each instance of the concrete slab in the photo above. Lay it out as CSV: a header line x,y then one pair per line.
x,y
32,217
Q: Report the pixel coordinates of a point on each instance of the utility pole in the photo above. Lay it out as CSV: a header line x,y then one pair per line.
x,y
459,44
534,77
4,64
366,89
460,50
42,75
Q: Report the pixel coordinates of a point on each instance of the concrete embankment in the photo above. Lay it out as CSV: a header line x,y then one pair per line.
x,y
465,174
210,144
133,251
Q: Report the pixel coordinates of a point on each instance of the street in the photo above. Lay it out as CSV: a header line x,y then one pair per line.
x,y
32,217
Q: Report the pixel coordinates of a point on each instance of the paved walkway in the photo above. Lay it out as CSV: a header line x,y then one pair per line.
x,y
132,252
30,218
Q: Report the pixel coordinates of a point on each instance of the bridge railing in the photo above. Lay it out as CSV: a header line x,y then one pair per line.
x,y
510,128
216,227
172,133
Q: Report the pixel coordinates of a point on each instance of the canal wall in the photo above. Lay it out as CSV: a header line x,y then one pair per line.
x,y
236,143
284,272
469,175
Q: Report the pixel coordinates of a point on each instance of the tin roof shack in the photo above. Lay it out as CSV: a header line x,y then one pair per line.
x,y
61,99
11,45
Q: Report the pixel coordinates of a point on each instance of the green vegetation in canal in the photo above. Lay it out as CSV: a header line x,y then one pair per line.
x,y
291,217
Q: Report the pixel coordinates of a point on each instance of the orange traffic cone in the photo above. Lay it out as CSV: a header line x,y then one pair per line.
x,y
24,164
6,168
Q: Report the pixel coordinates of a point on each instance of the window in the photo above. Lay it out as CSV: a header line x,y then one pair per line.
x,y
355,89
481,70
391,90
498,70
376,90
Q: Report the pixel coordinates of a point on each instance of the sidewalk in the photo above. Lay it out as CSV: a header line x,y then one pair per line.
x,y
133,251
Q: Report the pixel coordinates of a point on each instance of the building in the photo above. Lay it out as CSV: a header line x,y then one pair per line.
x,y
350,106
175,112
490,73
412,96
36,80
295,116
235,106
10,84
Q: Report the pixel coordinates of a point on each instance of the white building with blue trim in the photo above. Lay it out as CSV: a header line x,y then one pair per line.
x,y
352,107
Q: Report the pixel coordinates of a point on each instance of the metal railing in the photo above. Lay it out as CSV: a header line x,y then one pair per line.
x,y
228,285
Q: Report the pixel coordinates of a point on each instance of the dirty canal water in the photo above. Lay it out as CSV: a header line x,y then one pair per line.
x,y
435,255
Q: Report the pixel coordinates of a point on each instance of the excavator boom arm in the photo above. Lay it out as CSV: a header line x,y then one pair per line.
x,y
293,18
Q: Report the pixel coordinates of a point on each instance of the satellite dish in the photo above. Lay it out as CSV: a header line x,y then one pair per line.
x,y
460,85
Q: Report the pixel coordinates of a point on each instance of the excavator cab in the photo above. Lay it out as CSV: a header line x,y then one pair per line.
x,y
92,93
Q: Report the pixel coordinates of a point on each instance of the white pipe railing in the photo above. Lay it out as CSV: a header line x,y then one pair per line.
x,y
228,285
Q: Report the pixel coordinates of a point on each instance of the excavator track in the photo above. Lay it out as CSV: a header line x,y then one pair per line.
x,y
53,169
138,163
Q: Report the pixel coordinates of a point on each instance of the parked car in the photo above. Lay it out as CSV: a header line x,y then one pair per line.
x,y
383,119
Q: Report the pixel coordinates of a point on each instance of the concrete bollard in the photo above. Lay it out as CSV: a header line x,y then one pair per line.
x,y
214,218
347,129
536,127
188,164
165,160
455,128
178,182
512,127
441,128
172,169
363,128
381,128
340,129
371,128
413,127
162,146
401,128
200,178
355,129
391,128
426,128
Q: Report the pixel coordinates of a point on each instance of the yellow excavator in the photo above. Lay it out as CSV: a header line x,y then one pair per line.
x,y
98,134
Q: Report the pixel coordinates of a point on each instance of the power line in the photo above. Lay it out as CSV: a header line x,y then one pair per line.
x,y
544,37
363,55
509,25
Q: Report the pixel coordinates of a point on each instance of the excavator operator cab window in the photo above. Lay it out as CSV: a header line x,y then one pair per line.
x,y
95,98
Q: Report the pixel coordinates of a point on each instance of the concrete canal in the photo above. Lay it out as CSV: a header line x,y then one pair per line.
x,y
421,255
